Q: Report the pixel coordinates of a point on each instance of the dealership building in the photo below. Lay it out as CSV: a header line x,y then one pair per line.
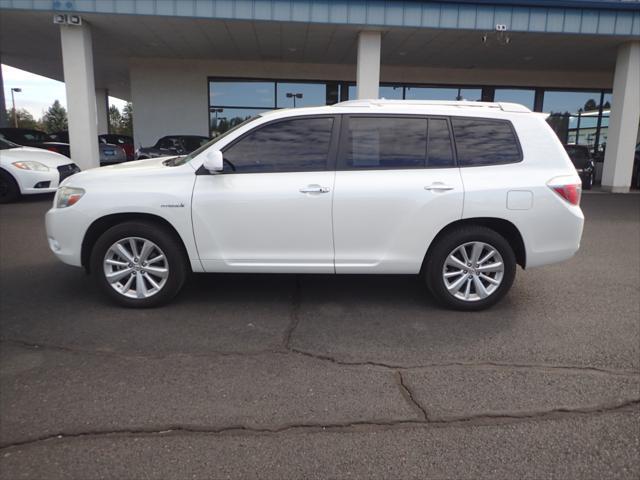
x,y
201,66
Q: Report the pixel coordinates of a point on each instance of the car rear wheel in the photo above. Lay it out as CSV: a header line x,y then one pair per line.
x,y
139,264
9,189
470,268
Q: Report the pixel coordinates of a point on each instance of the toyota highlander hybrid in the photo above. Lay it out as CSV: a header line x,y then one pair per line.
x,y
458,192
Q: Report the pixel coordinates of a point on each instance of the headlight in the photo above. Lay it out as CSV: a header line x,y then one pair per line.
x,y
67,196
31,165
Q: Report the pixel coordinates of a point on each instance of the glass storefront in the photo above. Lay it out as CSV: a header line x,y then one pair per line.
x,y
578,117
522,96
232,101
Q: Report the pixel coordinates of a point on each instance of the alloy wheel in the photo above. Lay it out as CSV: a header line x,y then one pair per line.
x,y
473,271
136,267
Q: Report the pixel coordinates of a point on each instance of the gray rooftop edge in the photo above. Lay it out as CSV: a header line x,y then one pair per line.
x,y
620,21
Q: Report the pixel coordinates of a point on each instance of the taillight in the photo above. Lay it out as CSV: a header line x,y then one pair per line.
x,y
53,149
567,188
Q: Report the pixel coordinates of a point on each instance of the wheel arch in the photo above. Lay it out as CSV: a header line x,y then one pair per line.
x,y
504,227
102,224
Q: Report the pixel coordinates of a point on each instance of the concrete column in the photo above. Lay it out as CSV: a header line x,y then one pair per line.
x,y
368,72
77,63
624,119
102,109
4,121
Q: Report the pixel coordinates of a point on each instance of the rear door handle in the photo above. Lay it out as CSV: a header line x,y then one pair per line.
x,y
315,189
438,186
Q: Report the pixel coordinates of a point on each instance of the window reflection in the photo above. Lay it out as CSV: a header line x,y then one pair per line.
x,y
576,119
437,93
223,119
516,95
252,94
312,94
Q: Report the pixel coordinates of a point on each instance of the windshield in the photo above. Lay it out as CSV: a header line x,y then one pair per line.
x,y
6,144
187,158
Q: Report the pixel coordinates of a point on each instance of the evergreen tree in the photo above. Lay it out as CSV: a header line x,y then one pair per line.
x,y
55,118
115,120
590,105
127,120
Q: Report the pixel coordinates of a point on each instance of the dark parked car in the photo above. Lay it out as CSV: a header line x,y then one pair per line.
x,y
172,145
28,137
109,153
581,157
123,141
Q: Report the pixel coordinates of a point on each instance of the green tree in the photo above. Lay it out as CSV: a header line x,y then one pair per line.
x,y
25,119
127,120
115,119
55,118
590,105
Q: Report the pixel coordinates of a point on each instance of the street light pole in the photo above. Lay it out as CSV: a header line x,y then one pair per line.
x,y
216,111
294,96
13,102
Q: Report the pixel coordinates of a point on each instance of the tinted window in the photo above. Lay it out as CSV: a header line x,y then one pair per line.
x,y
386,142
439,152
290,146
485,142
192,143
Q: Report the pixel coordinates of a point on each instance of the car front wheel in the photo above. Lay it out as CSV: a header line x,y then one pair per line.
x,y
470,268
139,264
9,190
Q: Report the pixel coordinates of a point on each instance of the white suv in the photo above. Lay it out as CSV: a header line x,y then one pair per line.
x,y
458,192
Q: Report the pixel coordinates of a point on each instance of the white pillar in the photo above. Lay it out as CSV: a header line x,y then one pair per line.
x,y
368,71
623,122
77,63
102,110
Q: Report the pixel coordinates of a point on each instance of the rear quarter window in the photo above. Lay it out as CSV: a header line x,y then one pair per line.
x,y
481,141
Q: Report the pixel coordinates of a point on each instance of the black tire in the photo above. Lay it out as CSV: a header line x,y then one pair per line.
x,y
9,189
164,239
446,244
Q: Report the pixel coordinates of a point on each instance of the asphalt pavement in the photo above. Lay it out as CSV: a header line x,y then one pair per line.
x,y
319,376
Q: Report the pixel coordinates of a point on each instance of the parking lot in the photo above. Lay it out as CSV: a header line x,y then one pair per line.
x,y
292,376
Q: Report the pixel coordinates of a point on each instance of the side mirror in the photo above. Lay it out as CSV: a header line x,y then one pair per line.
x,y
213,161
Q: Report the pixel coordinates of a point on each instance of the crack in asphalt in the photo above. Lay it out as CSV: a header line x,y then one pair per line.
x,y
482,419
550,368
408,395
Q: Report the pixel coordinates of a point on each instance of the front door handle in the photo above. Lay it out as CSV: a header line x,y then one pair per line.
x,y
315,189
438,186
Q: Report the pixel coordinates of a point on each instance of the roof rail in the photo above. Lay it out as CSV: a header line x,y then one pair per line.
x,y
506,107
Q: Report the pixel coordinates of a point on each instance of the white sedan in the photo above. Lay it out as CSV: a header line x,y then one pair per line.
x,y
27,170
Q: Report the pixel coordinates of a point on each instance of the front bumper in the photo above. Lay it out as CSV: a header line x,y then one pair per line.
x,y
32,181
66,228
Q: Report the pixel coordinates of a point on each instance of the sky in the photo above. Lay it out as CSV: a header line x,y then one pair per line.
x,y
38,93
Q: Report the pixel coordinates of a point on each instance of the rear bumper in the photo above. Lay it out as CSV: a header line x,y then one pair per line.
x,y
558,239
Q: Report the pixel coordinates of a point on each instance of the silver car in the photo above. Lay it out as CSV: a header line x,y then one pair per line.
x,y
110,154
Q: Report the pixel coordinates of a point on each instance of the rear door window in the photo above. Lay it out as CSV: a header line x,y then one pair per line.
x,y
393,142
385,143
482,141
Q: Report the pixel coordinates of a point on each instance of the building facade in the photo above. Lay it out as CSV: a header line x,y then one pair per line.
x,y
200,66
